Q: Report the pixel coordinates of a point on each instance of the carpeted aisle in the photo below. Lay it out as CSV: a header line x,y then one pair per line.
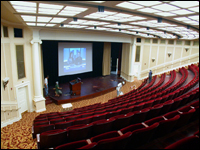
x,y
19,134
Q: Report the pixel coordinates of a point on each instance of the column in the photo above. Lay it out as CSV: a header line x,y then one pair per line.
x,y
39,100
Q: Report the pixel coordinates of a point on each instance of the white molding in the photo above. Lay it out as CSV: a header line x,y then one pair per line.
x,y
170,63
40,110
168,70
29,102
10,121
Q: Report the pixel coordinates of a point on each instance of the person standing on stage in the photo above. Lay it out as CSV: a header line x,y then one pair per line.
x,y
150,76
46,85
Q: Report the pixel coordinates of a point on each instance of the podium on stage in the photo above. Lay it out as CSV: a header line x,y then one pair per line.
x,y
75,86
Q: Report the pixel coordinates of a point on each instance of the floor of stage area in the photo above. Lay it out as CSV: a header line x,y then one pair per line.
x,y
90,87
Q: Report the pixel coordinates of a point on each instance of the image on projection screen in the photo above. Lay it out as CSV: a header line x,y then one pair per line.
x,y
74,58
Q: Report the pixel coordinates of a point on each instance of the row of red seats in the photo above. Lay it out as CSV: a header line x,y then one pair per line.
x,y
191,142
130,136
138,113
53,120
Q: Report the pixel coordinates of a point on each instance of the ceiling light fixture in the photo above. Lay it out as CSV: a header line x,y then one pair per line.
x,y
75,19
159,20
100,8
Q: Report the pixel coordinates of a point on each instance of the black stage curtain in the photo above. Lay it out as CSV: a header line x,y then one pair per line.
x,y
115,53
50,62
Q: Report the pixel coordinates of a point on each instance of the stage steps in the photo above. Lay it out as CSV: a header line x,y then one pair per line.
x,y
48,100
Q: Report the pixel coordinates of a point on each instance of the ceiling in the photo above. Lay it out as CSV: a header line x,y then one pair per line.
x,y
179,19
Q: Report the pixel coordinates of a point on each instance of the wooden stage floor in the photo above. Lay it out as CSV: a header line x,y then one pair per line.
x,y
90,87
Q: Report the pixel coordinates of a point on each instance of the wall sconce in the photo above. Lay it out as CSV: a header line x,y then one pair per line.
x,y
5,82
153,59
169,54
186,49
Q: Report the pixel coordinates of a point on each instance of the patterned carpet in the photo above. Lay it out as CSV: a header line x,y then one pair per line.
x,y
19,134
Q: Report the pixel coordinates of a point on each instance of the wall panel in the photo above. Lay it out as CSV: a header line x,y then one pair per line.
x,y
145,57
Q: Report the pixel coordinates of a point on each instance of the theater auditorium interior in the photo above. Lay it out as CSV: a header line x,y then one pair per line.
x,y
100,54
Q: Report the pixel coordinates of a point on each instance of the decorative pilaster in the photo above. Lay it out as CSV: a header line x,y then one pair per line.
x,y
39,100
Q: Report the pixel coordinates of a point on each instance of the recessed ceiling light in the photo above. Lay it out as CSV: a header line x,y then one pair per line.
x,y
122,15
22,3
72,8
58,20
48,11
52,6
43,19
149,10
50,25
28,18
182,12
165,7
25,8
128,5
195,9
182,19
96,1
137,18
68,13
107,13
165,14
196,17
26,11
30,24
88,16
185,4
191,22
146,3
41,24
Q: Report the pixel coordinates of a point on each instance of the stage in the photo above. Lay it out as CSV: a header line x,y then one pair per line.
x,y
90,87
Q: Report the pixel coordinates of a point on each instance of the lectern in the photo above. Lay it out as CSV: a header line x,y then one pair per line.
x,y
75,87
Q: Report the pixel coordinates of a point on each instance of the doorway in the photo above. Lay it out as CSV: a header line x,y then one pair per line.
x,y
116,52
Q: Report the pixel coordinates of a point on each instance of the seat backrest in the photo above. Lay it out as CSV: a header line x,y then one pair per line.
x,y
79,132
102,126
166,126
42,128
85,120
73,145
191,142
63,125
106,135
118,142
53,138
122,121
142,135
132,127
154,111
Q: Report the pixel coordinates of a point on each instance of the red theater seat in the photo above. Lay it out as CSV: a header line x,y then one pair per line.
x,y
79,132
42,128
63,125
141,136
73,145
52,138
102,126
111,140
191,142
